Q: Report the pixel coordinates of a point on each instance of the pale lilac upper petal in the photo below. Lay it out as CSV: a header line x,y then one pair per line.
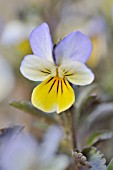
x,y
75,46
41,42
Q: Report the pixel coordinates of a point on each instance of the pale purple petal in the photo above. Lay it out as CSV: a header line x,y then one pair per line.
x,y
75,46
41,42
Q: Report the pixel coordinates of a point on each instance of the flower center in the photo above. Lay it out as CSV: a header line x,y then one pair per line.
x,y
59,73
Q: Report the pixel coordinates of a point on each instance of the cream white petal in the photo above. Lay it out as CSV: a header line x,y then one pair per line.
x,y
77,73
36,68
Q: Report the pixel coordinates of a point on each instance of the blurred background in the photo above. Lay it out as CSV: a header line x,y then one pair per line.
x,y
17,19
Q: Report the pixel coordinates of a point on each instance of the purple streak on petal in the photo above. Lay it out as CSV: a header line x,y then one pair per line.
x,y
75,46
41,42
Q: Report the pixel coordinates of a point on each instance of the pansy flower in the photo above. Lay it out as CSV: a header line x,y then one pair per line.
x,y
57,66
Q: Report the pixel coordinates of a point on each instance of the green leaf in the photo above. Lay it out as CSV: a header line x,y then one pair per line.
x,y
110,166
101,112
84,94
29,108
98,137
95,158
87,99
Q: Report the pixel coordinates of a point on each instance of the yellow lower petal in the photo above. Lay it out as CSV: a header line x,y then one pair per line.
x,y
54,94
44,95
65,97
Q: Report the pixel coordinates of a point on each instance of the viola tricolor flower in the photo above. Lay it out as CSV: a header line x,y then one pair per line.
x,y
57,67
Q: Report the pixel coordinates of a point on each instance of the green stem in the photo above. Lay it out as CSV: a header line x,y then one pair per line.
x,y
73,128
68,122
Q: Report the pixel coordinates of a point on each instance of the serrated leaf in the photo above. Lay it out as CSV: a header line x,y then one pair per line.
x,y
29,108
79,159
110,166
98,137
95,158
